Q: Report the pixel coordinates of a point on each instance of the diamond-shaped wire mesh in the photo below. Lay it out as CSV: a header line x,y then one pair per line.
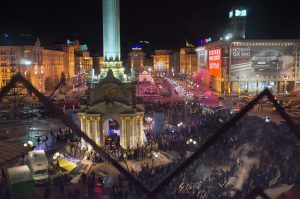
x,y
151,193
250,154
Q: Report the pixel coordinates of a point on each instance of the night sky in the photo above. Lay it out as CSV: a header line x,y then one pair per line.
x,y
164,23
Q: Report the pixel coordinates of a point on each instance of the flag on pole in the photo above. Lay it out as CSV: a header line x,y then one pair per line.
x,y
189,45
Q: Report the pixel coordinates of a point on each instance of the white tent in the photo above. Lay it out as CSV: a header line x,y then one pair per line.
x,y
146,77
19,174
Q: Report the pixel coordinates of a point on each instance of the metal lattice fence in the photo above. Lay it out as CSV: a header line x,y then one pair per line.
x,y
152,192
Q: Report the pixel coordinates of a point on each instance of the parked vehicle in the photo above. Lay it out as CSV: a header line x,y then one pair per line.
x,y
39,166
20,182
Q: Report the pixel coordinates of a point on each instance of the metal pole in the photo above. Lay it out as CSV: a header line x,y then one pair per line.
x,y
256,84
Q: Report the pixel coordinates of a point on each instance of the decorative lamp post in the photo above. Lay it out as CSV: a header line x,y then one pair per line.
x,y
28,144
56,157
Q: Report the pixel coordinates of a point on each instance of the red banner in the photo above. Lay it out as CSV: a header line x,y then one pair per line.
x,y
214,62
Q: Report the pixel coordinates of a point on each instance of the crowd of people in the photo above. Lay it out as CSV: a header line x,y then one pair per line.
x,y
251,154
120,154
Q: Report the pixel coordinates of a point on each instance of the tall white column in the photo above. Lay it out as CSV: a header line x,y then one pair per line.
x,y
111,29
133,132
97,130
127,132
123,140
89,131
102,139
83,129
141,131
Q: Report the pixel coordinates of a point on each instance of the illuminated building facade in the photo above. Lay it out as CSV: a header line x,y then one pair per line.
x,y
97,63
188,61
252,65
83,62
137,59
40,65
78,57
161,62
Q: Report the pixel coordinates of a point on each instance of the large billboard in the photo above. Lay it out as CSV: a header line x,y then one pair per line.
x,y
249,61
202,57
214,62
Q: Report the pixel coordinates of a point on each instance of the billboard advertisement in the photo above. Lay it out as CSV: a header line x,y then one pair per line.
x,y
202,57
214,62
249,61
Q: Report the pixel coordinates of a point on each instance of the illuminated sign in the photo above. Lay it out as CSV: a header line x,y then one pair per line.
x,y
69,42
214,62
84,47
204,41
240,13
248,60
208,40
136,47
230,14
237,13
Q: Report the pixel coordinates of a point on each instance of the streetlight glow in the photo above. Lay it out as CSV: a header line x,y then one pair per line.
x,y
30,143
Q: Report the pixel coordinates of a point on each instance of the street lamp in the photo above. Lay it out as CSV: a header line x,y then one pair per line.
x,y
191,141
180,124
28,144
154,156
56,157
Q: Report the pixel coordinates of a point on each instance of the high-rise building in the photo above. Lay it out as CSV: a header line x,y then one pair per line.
x,y
137,59
188,61
161,62
35,62
252,65
237,18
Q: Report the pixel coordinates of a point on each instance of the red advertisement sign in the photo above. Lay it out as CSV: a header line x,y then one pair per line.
x,y
214,62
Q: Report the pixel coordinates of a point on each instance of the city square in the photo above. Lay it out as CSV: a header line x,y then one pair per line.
x,y
216,119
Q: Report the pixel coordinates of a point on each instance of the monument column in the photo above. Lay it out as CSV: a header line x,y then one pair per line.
x,y
83,129
122,132
111,30
133,139
97,130
102,139
128,133
140,131
89,131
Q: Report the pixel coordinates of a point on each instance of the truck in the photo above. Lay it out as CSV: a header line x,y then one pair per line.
x,y
20,182
39,166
